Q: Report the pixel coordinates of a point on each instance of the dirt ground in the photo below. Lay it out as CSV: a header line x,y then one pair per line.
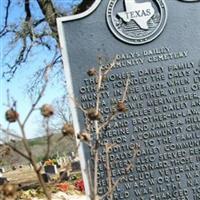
x,y
26,176
21,175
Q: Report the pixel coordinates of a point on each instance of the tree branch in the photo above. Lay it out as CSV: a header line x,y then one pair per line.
x,y
50,14
27,10
6,18
84,5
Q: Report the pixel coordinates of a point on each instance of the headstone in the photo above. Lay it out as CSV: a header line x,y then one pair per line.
x,y
75,165
64,175
2,169
51,169
46,177
71,156
3,180
62,161
156,45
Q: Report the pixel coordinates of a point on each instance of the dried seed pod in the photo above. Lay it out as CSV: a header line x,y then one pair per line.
x,y
68,130
92,72
47,110
11,115
9,190
121,107
93,115
84,136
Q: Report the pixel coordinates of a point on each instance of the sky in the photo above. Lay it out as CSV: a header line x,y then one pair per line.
x,y
18,85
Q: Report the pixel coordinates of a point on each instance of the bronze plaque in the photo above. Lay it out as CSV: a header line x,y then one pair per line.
x,y
156,44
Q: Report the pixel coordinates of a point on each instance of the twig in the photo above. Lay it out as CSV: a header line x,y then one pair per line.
x,y
108,171
29,155
6,131
18,151
98,87
40,94
75,101
115,184
110,67
96,157
95,148
6,17
110,118
125,90
48,135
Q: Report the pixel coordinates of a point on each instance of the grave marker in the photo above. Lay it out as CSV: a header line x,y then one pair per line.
x,y
51,169
156,44
2,170
75,165
3,180
64,175
46,177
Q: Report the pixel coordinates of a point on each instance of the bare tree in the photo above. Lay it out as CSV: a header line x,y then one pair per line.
x,y
32,31
12,116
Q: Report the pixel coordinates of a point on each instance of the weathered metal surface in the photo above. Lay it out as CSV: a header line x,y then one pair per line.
x,y
163,99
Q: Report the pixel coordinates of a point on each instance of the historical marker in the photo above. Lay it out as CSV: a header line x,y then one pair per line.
x,y
156,44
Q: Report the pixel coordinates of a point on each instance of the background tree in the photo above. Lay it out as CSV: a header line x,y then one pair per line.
x,y
29,40
32,29
29,32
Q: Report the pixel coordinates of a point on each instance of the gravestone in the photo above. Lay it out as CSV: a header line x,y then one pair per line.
x,y
46,177
3,180
64,175
2,169
71,156
75,165
51,169
156,45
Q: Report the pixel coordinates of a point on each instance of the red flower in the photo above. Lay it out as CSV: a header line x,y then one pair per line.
x,y
63,187
79,185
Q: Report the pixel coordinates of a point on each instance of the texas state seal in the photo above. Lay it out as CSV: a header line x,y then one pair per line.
x,y
136,22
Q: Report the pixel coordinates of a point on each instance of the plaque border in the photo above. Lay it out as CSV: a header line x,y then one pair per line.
x,y
67,72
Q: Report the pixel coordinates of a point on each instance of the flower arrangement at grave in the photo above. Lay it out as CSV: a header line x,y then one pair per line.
x,y
79,185
50,162
63,187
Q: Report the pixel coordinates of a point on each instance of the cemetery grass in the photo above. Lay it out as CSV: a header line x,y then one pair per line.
x,y
26,179
24,175
19,172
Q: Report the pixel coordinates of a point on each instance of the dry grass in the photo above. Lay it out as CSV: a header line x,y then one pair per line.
x,y
21,176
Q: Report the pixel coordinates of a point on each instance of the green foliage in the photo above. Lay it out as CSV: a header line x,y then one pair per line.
x,y
39,147
36,141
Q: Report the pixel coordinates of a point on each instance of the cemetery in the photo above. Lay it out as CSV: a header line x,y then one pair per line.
x,y
60,178
131,71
